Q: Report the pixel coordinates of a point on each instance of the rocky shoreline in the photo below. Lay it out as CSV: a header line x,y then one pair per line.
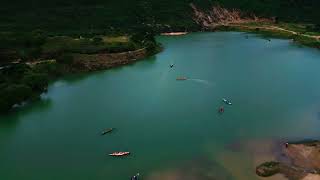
x,y
299,160
93,62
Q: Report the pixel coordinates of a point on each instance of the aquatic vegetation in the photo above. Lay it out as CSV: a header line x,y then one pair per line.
x,y
268,169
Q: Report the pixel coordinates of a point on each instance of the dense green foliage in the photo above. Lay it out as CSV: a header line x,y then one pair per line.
x,y
25,25
20,45
62,44
100,16
31,46
19,83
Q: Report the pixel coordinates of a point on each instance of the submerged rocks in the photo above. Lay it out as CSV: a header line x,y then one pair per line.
x,y
268,169
195,168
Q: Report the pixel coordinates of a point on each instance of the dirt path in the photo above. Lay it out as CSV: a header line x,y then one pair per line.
x,y
275,28
33,63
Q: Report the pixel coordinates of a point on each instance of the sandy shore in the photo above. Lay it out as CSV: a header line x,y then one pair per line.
x,y
174,33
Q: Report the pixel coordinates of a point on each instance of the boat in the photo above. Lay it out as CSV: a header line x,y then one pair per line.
x,y
106,131
171,65
119,154
135,177
226,101
221,110
181,78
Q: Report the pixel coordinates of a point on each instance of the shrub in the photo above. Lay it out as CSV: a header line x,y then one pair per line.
x,y
97,40
37,81
317,27
65,59
13,94
268,169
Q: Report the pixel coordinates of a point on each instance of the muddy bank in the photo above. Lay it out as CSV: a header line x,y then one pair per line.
x,y
198,168
298,160
241,157
93,62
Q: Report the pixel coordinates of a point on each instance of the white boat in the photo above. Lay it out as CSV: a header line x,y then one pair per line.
x,y
226,101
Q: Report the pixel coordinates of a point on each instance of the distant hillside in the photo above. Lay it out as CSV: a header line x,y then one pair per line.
x,y
96,15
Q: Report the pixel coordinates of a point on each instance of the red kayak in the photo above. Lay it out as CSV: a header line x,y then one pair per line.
x,y
119,154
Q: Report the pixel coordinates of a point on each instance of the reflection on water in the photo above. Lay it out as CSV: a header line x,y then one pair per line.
x,y
38,106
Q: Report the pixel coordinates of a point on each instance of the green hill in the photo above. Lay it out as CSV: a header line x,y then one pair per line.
x,y
74,16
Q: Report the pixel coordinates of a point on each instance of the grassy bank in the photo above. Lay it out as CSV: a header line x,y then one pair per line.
x,y
305,34
38,45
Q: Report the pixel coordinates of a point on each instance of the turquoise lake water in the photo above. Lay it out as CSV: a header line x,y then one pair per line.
x,y
172,128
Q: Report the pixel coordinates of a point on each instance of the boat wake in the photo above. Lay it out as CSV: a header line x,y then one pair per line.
x,y
202,81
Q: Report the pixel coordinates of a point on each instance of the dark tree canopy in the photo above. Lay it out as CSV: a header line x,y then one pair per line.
x,y
98,16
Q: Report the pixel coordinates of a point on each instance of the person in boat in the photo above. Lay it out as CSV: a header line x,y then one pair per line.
x,y
106,131
221,109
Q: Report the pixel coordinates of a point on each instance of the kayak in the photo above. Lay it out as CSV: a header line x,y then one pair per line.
x,y
106,131
181,78
226,101
221,110
119,154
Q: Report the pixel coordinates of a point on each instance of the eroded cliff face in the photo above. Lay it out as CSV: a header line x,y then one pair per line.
x,y
92,62
219,16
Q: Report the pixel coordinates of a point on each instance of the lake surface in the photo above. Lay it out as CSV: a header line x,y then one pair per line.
x,y
172,128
